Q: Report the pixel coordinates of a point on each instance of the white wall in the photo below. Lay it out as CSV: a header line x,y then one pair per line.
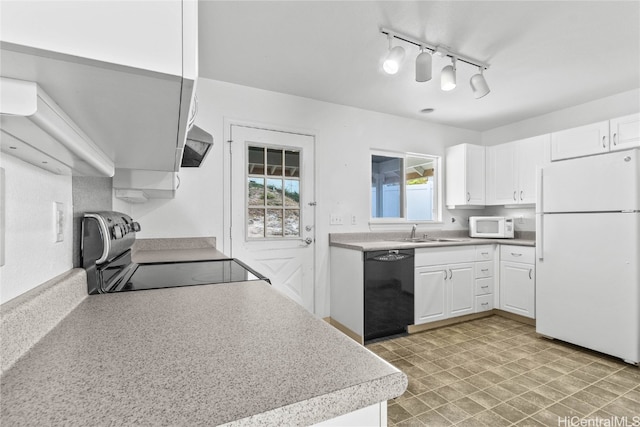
x,y
31,255
601,109
344,138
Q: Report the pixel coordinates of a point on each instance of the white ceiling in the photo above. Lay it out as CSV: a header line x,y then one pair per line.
x,y
543,55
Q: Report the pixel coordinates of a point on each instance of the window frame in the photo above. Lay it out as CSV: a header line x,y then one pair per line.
x,y
437,189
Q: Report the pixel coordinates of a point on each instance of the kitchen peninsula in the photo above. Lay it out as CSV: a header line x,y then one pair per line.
x,y
200,355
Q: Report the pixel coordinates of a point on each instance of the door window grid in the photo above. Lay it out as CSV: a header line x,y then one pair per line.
x,y
273,193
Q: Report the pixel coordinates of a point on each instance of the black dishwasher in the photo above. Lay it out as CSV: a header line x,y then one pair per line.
x,y
388,292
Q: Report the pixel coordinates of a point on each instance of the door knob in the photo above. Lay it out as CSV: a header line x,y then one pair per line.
x,y
308,240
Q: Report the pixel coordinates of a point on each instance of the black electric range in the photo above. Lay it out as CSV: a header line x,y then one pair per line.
x,y
107,238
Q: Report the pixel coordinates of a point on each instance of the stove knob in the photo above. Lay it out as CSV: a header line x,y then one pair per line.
x,y
116,232
135,226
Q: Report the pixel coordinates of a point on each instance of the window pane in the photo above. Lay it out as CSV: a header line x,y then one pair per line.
x,y
274,162
292,193
386,187
256,192
256,160
274,192
274,222
405,187
292,223
255,222
292,163
420,179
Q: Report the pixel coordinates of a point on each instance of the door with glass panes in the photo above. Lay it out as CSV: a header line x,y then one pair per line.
x,y
272,207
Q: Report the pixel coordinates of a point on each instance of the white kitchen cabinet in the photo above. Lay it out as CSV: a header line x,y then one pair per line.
x,y
430,294
511,170
461,284
130,70
444,283
617,134
580,141
517,280
625,132
443,291
484,278
145,35
465,176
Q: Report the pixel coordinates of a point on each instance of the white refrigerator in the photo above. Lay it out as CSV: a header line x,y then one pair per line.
x,y
588,253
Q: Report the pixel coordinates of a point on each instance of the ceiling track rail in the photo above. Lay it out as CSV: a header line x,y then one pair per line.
x,y
441,50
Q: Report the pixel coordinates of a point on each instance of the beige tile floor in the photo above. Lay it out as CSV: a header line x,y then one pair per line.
x,y
497,372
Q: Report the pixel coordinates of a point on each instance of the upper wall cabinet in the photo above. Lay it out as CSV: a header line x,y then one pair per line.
x,y
465,176
144,35
625,132
123,71
596,138
511,170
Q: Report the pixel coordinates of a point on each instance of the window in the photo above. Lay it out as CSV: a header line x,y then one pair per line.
x,y
404,187
273,193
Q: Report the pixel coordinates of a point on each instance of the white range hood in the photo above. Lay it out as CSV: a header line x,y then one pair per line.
x,y
35,129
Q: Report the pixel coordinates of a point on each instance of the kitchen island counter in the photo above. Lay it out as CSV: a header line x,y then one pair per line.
x,y
202,355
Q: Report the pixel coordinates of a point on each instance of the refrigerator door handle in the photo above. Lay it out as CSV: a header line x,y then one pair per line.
x,y
539,215
539,233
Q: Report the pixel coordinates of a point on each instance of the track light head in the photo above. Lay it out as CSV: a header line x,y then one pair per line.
x,y
479,85
423,66
448,76
394,58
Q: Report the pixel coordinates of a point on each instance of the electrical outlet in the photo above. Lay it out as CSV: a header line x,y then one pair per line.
x,y
520,219
58,221
353,220
336,219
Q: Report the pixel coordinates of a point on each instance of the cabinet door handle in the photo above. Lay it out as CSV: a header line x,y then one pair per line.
x,y
604,142
445,274
484,303
615,142
450,274
468,196
522,195
485,253
515,254
485,287
485,269
514,196
530,271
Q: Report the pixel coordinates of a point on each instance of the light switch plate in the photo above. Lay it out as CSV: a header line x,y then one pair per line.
x,y
336,219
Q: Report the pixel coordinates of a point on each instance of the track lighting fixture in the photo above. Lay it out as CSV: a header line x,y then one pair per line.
x,y
394,58
448,76
479,85
424,61
423,66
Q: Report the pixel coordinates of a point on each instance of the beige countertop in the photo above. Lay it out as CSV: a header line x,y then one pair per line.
x,y
199,355
375,241
175,249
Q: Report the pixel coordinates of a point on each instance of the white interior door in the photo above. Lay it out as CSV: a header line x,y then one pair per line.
x,y
272,207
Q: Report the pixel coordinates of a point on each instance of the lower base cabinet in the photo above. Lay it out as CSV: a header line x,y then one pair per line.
x,y
517,280
447,289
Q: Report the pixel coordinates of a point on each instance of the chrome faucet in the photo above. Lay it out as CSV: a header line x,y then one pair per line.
x,y
413,231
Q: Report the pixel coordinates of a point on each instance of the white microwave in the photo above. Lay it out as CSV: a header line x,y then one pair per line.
x,y
492,227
